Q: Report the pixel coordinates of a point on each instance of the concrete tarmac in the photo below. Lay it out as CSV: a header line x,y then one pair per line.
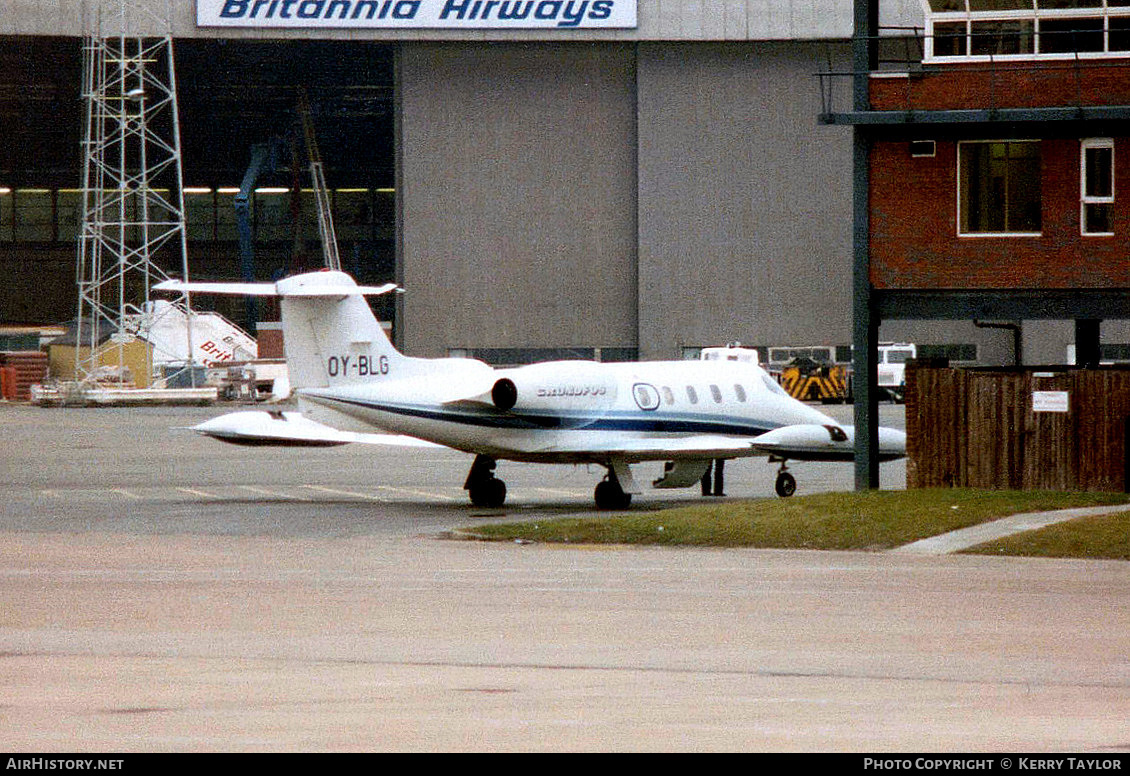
x,y
164,592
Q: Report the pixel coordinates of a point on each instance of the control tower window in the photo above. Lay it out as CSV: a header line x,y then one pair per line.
x,y
980,30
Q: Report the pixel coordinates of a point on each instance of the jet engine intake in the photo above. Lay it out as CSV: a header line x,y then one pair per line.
x,y
504,394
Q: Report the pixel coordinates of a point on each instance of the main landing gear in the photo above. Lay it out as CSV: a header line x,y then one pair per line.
x,y
488,491
713,481
482,486
609,494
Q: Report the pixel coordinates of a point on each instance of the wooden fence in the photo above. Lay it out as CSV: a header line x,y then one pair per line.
x,y
1019,429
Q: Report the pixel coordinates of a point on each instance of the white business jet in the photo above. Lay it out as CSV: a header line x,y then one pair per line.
x,y
351,382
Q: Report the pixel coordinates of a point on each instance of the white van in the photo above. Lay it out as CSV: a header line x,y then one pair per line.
x,y
892,367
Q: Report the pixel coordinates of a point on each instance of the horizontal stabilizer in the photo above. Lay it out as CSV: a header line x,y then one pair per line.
x,y
309,285
235,289
291,429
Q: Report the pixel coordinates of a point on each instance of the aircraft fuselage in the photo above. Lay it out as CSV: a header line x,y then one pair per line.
x,y
570,411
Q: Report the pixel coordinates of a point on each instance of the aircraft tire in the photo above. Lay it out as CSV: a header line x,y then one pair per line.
x,y
610,496
490,493
786,485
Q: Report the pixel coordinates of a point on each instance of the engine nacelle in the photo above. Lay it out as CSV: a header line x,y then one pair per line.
x,y
555,386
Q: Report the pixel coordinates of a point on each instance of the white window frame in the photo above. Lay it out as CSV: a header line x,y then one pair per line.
x,y
1084,199
1034,14
957,190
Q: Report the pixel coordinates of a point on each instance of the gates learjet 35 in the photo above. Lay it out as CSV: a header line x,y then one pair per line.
x,y
351,382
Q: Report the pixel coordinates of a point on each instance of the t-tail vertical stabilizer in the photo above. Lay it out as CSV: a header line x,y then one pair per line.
x,y
330,333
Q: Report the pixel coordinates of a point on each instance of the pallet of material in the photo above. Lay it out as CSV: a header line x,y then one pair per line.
x,y
25,369
74,395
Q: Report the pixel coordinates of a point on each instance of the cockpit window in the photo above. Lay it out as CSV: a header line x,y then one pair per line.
x,y
773,385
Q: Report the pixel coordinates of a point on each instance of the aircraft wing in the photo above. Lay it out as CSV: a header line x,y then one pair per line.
x,y
811,442
801,442
291,429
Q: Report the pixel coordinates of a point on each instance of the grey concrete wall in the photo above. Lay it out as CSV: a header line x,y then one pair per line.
x,y
994,346
745,202
517,185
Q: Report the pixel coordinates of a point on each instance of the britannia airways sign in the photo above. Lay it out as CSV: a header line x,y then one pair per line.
x,y
418,14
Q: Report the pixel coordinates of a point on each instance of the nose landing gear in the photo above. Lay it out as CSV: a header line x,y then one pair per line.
x,y
786,483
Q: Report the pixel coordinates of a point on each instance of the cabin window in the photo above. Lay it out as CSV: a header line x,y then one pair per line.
x,y
716,392
692,395
739,391
999,188
1097,186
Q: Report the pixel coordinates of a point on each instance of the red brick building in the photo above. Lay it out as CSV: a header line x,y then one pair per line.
x,y
992,170
1034,213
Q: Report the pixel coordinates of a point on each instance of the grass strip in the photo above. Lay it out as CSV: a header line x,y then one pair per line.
x,y
1105,536
875,520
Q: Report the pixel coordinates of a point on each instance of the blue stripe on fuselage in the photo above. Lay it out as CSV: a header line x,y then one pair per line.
x,y
649,422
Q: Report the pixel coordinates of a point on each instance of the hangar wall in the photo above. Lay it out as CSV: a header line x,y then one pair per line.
x,y
517,189
744,201
738,218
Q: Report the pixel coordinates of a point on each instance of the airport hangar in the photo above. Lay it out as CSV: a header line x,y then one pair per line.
x,y
633,191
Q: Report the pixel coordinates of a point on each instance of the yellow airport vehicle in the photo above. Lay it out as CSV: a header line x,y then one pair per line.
x,y
810,380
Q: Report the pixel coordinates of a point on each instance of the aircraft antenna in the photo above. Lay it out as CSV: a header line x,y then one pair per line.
x,y
133,232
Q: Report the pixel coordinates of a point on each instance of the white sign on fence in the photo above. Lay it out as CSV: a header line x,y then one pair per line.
x,y
1050,401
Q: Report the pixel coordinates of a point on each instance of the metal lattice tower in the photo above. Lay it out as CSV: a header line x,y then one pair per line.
x,y
133,225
